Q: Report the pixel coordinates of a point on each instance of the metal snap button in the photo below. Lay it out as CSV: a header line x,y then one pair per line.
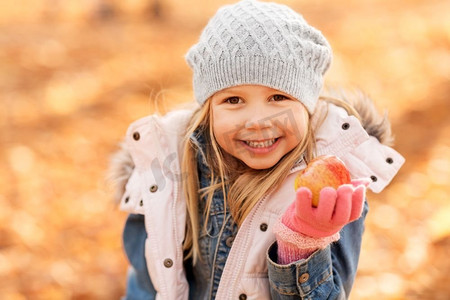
x,y
345,126
389,160
229,241
141,203
242,297
374,178
127,199
136,136
303,278
168,263
263,227
153,188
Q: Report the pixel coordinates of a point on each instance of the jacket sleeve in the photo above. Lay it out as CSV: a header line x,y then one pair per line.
x,y
139,285
326,274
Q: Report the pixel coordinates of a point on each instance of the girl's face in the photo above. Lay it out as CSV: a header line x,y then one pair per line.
x,y
257,124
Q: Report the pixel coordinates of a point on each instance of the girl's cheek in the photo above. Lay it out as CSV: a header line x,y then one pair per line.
x,y
298,134
293,128
297,131
223,134
303,124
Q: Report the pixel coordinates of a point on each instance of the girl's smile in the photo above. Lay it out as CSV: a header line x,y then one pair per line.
x,y
264,146
257,124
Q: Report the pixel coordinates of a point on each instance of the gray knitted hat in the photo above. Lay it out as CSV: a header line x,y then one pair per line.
x,y
261,43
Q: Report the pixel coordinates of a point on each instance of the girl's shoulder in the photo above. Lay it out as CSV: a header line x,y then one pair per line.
x,y
146,136
343,105
359,136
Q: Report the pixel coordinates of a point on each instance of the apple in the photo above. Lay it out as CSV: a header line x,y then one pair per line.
x,y
322,171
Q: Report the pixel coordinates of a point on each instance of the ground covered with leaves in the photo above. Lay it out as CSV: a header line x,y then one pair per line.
x,y
74,74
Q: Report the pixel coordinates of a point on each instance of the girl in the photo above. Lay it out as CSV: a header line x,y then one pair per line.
x,y
213,211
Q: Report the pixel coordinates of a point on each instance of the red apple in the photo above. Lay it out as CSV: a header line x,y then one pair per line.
x,y
322,171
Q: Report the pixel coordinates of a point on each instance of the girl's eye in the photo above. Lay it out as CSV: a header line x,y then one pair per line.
x,y
278,97
233,100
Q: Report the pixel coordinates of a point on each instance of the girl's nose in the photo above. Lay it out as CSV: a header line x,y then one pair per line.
x,y
258,119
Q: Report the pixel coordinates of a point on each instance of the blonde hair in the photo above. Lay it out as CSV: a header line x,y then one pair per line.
x,y
226,170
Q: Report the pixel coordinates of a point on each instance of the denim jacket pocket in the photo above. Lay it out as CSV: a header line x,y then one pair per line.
x,y
308,278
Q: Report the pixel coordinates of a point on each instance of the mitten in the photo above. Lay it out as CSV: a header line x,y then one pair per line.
x,y
303,228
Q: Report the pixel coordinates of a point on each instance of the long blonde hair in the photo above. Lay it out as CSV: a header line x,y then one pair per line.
x,y
226,170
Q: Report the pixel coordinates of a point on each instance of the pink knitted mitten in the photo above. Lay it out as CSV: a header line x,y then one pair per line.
x,y
304,229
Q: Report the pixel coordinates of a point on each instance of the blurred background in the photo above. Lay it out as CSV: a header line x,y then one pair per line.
x,y
75,73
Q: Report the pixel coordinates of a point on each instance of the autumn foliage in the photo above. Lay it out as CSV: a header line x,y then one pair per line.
x,y
74,74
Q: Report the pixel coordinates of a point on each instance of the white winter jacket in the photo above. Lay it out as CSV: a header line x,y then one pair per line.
x,y
154,190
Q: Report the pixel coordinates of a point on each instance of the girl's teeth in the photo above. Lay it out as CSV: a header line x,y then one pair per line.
x,y
264,144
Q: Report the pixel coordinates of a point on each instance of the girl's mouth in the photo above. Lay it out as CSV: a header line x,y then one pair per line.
x,y
261,147
261,144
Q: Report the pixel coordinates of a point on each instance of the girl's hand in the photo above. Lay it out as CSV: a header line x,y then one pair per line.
x,y
336,208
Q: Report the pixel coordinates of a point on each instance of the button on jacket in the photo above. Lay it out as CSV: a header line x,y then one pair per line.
x,y
242,263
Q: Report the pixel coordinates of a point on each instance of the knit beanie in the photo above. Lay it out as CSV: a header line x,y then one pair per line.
x,y
260,43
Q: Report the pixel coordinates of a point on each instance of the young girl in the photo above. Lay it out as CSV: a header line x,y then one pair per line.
x,y
210,191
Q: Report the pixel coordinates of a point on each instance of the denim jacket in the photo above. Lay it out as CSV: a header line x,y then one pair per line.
x,y
251,274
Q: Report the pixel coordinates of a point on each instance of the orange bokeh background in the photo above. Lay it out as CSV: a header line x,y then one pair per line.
x,y
74,74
